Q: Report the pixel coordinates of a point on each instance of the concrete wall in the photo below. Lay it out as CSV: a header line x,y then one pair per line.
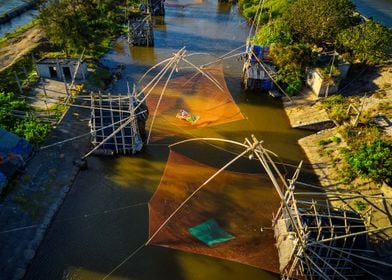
x,y
319,85
43,69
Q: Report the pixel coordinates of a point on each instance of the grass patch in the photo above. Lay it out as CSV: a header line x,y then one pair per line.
x,y
360,205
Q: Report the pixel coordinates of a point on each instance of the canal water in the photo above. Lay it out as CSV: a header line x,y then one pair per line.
x,y
13,24
105,216
378,10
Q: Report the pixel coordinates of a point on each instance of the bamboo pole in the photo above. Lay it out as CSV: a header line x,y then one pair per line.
x,y
175,62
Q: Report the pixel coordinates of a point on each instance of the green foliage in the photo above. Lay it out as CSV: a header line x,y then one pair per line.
x,y
8,104
315,21
32,129
336,139
291,61
373,160
336,107
75,24
273,8
360,205
26,72
368,42
324,142
276,32
27,127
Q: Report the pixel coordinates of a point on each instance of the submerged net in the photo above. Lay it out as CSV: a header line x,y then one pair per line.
x,y
191,101
222,220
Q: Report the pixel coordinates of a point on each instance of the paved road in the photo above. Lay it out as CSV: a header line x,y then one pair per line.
x,y
36,196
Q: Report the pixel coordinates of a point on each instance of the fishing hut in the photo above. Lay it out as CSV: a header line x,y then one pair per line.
x,y
140,32
258,71
117,124
316,241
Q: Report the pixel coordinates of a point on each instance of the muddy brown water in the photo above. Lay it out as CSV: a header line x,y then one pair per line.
x,y
105,216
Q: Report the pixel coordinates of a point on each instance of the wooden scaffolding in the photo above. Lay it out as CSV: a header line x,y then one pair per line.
x,y
117,124
140,32
315,240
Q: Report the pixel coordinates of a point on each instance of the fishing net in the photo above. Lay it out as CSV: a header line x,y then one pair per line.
x,y
222,220
191,101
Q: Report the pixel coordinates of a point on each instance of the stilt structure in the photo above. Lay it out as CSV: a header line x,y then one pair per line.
x,y
315,241
140,32
117,124
257,74
156,7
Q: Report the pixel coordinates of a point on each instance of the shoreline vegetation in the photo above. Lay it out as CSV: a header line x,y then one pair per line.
x,y
45,37
355,155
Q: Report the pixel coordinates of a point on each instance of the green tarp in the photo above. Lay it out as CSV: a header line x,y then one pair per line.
x,y
210,233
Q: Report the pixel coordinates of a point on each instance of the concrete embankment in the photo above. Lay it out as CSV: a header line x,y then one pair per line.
x,y
28,5
304,114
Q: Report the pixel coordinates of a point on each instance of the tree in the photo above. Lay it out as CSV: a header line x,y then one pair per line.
x,y
317,22
370,42
290,61
77,24
373,160
277,31
66,25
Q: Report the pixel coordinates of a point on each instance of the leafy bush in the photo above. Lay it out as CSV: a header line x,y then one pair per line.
x,y
32,129
360,205
11,118
324,142
373,160
369,42
336,139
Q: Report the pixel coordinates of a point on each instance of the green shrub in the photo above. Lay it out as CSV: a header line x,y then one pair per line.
x,y
324,142
336,139
360,205
32,129
373,160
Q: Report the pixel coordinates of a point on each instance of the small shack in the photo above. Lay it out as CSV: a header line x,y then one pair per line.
x,y
257,69
325,78
14,152
60,69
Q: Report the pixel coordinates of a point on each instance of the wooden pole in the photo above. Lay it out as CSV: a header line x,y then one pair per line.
x,y
18,82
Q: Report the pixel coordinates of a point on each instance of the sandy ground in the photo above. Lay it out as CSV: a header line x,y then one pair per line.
x,y
19,46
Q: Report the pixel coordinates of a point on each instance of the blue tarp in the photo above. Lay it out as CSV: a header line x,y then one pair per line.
x,y
14,151
255,51
210,233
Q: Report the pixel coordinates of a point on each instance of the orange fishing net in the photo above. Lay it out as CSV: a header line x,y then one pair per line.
x,y
239,202
190,102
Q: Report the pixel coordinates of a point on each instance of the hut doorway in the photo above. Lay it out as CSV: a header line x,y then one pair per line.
x,y
67,73
53,71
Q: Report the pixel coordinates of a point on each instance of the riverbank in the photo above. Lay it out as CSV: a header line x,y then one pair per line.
x,y
19,45
17,11
324,148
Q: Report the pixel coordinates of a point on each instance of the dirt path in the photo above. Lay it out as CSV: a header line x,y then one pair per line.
x,y
19,46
